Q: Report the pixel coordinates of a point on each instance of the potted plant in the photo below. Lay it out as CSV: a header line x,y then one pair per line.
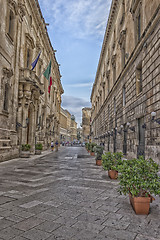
x,y
139,179
99,152
89,147
38,148
92,149
111,162
25,153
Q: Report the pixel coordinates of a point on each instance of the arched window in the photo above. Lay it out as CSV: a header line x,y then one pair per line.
x,y
6,96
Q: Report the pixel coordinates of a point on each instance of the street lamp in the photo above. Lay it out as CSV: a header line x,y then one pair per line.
x,y
153,114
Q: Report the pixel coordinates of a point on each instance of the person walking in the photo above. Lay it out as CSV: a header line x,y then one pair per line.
x,y
56,145
52,146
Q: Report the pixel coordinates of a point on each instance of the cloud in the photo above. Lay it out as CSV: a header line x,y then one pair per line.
x,y
74,106
81,18
81,85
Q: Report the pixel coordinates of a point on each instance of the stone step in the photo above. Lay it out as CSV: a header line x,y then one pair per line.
x,y
4,150
5,140
5,143
5,147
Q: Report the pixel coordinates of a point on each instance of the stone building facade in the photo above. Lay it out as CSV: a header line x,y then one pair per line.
x,y
86,119
73,129
126,93
28,113
65,125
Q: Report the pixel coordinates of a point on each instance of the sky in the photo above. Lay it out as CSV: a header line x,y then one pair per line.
x,y
76,30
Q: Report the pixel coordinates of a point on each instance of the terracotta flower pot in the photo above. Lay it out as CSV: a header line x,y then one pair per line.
x,y
141,205
25,154
92,153
113,174
37,152
98,162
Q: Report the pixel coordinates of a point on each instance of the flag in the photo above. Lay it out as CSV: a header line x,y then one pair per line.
x,y
35,61
47,71
49,89
50,84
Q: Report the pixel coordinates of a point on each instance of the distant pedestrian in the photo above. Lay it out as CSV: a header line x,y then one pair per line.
x,y
52,146
56,145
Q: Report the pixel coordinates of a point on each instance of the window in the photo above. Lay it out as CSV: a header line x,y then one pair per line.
x,y
139,26
114,73
123,52
104,116
37,117
114,68
39,69
139,79
6,95
136,12
124,95
122,43
108,113
28,50
114,105
114,38
11,24
28,58
104,92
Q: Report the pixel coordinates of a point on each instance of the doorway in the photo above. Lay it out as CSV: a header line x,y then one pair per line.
x,y
125,140
141,138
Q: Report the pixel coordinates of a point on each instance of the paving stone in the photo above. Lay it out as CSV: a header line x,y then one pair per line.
x,y
47,216
19,238
28,223
117,224
64,231
35,234
96,228
119,234
48,226
9,233
66,221
4,199
30,204
5,223
142,237
14,218
68,199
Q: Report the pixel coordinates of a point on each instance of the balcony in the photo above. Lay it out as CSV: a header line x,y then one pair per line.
x,y
28,76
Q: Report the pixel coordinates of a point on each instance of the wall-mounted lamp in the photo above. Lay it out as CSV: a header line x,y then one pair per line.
x,y
131,128
128,124
153,114
127,55
144,125
121,129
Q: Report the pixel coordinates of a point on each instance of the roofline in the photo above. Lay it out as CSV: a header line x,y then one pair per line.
x,y
106,36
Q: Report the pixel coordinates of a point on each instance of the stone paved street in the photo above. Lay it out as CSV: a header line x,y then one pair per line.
x,y
66,196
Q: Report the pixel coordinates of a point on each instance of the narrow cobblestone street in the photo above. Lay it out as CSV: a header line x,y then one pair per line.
x,y
64,195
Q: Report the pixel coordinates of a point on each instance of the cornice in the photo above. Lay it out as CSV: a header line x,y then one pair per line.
x,y
106,36
35,7
138,48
